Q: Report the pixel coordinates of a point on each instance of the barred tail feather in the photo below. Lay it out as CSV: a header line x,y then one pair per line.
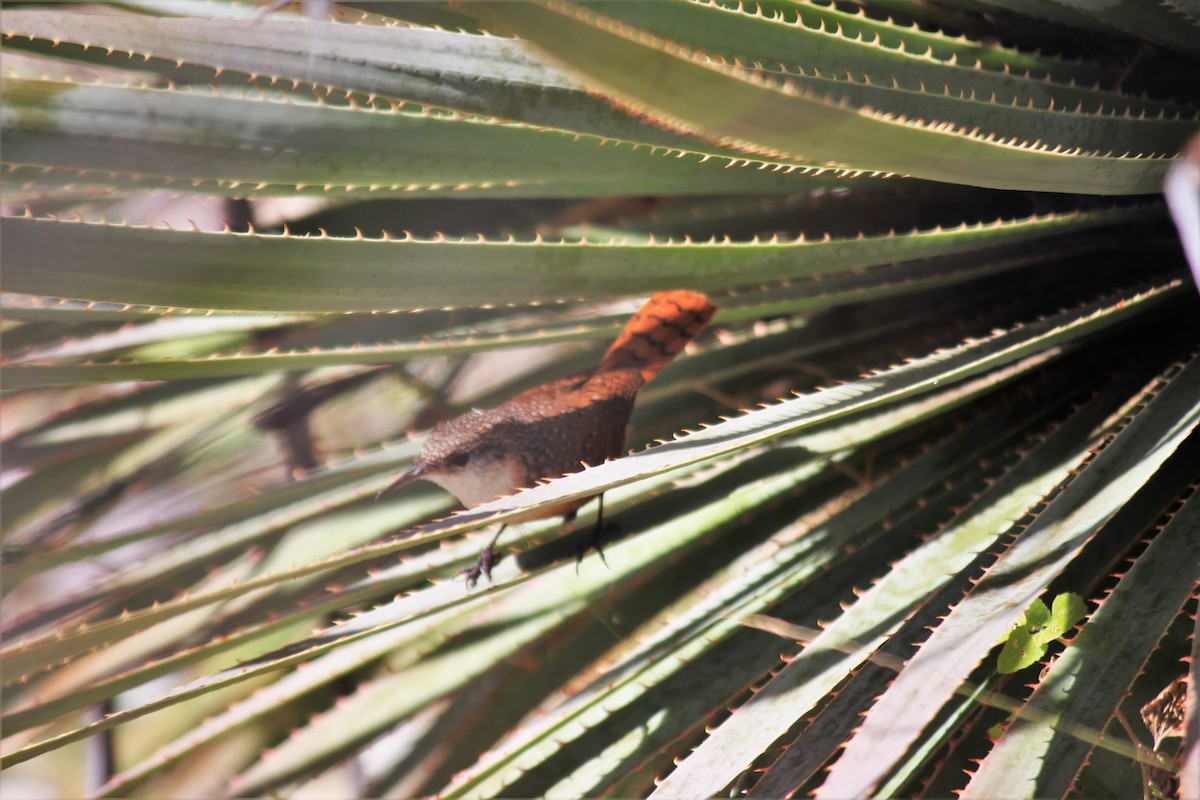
x,y
658,332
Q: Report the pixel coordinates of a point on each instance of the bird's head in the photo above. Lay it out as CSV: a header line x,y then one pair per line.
x,y
469,458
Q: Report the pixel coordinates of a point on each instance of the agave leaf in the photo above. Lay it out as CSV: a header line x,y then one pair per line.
x,y
892,281
802,684
140,620
982,617
165,599
288,273
329,737
475,74
98,484
516,617
927,41
182,558
845,44
240,507
99,418
420,622
1036,340
646,671
630,680
222,329
760,114
359,642
1159,25
57,697
1111,648
242,143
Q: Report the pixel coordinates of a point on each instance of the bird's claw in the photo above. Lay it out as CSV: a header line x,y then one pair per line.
x,y
488,558
598,534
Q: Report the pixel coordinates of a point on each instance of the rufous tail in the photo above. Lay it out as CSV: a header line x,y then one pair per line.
x,y
658,331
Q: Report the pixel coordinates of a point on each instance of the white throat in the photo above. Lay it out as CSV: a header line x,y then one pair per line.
x,y
476,484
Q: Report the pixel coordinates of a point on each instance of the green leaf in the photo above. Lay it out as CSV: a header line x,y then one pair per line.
x,y
161,267
483,75
1022,649
244,143
765,114
1067,611
1037,628
1036,617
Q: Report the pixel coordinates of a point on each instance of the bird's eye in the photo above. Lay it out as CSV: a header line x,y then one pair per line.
x,y
459,459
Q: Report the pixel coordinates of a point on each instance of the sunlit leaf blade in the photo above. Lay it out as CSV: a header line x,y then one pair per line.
x,y
815,293
240,143
808,40
1110,647
815,672
641,675
1031,344
979,621
474,74
745,109
159,267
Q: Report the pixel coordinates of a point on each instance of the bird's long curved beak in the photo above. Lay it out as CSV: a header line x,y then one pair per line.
x,y
413,473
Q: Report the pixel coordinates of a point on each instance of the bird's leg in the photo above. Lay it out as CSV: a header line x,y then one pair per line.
x,y
487,559
594,538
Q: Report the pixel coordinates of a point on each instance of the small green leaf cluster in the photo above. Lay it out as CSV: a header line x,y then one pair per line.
x,y
1037,628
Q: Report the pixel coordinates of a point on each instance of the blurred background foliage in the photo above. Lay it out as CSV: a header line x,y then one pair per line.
x,y
252,251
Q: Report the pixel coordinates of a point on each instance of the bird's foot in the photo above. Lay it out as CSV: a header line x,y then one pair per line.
x,y
488,558
598,535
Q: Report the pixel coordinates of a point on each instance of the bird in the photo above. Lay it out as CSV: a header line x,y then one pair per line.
x,y
558,427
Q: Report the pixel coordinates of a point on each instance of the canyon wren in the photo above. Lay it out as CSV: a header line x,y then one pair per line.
x,y
558,427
